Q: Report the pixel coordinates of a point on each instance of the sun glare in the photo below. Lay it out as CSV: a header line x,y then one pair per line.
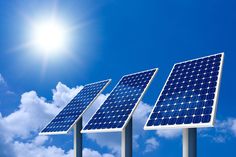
x,y
49,37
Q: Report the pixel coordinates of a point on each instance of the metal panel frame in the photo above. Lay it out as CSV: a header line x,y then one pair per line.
x,y
131,113
66,132
214,107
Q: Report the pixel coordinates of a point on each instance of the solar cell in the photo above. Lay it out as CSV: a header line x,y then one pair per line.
x,y
189,96
117,109
66,119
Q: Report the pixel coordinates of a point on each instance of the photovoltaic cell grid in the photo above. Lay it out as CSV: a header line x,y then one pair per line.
x,y
118,107
189,96
74,110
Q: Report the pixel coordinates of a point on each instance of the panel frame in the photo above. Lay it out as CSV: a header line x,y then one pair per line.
x,y
80,116
214,107
131,113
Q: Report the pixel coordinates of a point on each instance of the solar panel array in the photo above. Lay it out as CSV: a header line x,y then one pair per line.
x,y
117,109
189,96
74,110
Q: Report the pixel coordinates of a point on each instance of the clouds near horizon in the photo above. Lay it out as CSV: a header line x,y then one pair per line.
x,y
24,124
20,128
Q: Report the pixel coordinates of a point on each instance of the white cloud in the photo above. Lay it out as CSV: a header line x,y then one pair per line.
x,y
109,140
224,130
40,140
92,153
89,113
169,133
233,127
140,117
228,125
10,92
63,94
151,145
32,149
219,139
2,80
113,140
5,147
33,114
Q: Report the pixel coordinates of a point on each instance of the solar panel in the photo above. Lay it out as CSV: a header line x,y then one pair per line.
x,y
117,109
189,96
66,119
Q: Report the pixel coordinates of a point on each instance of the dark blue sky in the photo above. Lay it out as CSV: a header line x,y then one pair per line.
x,y
117,38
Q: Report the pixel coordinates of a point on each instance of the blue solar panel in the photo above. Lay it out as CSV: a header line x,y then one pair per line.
x,y
120,104
74,110
189,96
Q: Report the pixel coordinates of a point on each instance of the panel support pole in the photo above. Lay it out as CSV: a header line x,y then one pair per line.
x,y
190,142
126,140
78,147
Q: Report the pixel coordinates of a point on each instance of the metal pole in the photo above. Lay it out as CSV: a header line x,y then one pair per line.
x,y
126,140
78,139
190,142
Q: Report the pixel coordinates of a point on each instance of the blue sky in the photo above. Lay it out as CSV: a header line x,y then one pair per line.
x,y
108,39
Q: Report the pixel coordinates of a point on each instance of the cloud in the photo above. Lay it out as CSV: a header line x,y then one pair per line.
x,y
233,126
224,126
92,153
2,80
169,133
40,140
35,150
93,108
19,130
63,94
151,145
10,92
34,112
140,117
223,131
113,140
32,149
219,139
5,147
109,140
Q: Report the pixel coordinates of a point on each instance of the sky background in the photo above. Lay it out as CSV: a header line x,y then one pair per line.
x,y
108,39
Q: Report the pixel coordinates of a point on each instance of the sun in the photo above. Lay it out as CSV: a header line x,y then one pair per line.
x,y
49,37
